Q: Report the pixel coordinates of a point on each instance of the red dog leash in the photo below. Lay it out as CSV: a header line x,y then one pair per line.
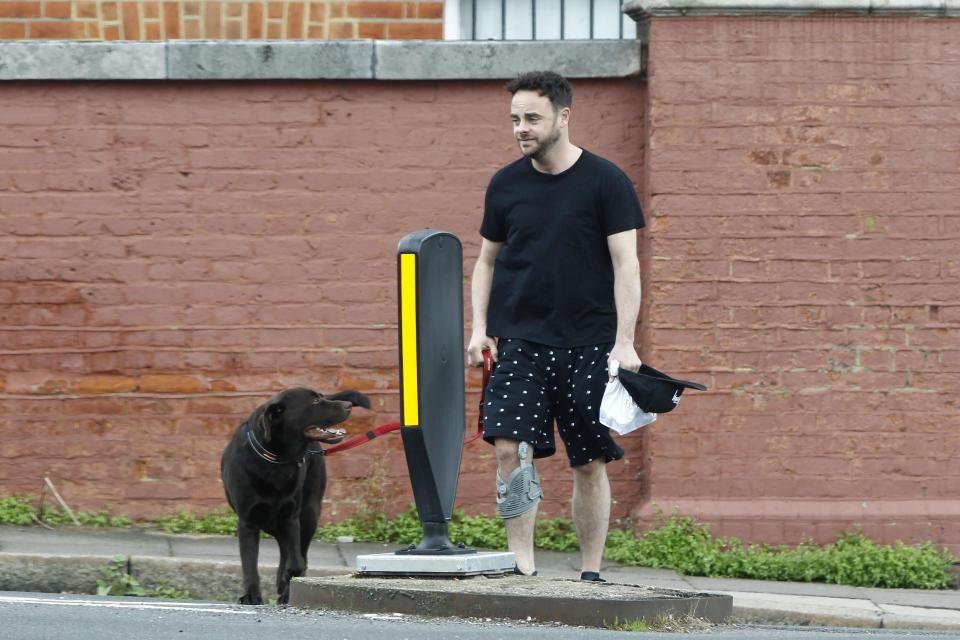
x,y
383,429
356,441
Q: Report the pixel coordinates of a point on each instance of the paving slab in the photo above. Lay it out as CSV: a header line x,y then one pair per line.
x,y
900,617
542,599
946,599
942,599
772,608
224,548
81,541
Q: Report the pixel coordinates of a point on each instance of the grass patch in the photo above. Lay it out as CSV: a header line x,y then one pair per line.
x,y
222,522
662,623
17,510
635,624
686,546
115,580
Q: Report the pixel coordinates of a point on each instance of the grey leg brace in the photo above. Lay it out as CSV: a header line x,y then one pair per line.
x,y
521,492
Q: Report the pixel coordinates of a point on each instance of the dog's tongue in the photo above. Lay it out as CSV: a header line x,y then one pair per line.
x,y
325,435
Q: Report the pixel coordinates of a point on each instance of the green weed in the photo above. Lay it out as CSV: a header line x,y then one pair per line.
x,y
682,544
682,623
635,624
221,522
115,580
18,510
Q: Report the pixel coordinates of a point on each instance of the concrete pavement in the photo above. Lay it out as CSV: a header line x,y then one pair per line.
x,y
69,559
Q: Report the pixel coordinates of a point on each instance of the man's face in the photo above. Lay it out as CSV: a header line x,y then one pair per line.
x,y
536,125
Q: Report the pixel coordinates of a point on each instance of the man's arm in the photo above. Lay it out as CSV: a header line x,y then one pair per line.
x,y
626,293
480,299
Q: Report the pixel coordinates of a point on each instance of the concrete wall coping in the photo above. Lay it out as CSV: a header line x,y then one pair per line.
x,y
314,60
643,9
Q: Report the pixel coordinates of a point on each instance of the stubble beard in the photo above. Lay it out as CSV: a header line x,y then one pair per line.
x,y
543,148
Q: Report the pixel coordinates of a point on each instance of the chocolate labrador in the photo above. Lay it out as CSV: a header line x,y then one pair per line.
x,y
274,476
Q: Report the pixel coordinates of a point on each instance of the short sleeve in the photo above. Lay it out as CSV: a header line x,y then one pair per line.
x,y
620,206
493,227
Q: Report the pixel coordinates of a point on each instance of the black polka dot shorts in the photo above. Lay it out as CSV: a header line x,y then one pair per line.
x,y
532,386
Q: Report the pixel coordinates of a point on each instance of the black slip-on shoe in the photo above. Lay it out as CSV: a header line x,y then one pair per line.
x,y
516,570
591,576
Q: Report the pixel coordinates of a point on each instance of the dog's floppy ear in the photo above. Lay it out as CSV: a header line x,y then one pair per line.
x,y
270,417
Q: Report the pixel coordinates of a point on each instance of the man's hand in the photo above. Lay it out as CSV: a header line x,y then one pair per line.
x,y
479,341
626,354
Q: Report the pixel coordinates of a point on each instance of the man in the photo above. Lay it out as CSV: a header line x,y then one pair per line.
x,y
556,293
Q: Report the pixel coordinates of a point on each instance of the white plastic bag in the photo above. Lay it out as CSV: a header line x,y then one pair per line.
x,y
618,411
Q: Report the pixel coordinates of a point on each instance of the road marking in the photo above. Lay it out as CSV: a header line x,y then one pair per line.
x,y
383,616
173,606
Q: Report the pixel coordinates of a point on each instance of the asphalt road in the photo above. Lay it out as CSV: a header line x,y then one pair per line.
x,y
36,616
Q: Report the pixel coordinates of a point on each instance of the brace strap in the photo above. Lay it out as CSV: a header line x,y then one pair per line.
x,y
521,492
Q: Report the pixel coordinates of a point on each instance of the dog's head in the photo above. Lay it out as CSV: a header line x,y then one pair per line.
x,y
301,414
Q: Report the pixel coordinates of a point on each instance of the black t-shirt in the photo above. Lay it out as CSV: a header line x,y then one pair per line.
x,y
553,277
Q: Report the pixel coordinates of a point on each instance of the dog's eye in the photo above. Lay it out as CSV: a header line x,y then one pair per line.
x,y
316,400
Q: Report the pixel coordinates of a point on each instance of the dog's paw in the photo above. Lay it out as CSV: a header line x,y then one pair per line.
x,y
251,598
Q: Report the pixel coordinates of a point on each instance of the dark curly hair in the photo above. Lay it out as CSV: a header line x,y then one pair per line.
x,y
546,83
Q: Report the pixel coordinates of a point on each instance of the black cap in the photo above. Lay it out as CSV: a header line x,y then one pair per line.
x,y
655,391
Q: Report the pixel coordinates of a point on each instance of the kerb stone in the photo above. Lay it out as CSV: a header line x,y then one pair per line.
x,y
514,597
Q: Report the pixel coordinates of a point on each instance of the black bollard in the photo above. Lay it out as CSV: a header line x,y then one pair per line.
x,y
430,277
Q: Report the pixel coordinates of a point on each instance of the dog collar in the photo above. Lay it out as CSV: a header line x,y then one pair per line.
x,y
265,453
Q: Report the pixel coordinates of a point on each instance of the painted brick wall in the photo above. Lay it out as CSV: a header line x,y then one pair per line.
x,y
215,19
804,182
171,256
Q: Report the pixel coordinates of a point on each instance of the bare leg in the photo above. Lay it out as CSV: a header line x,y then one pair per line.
x,y
521,528
591,511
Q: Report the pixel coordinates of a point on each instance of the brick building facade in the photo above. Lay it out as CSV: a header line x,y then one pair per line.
x,y
218,20
173,253
803,177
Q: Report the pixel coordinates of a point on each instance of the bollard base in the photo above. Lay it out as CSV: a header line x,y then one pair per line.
x,y
472,564
436,542
437,551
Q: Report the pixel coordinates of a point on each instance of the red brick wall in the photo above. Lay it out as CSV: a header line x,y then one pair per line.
x,y
803,174
216,19
172,255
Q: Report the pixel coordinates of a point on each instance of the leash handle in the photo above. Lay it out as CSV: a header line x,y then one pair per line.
x,y
487,370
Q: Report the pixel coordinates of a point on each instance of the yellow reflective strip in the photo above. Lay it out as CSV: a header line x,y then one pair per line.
x,y
408,338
